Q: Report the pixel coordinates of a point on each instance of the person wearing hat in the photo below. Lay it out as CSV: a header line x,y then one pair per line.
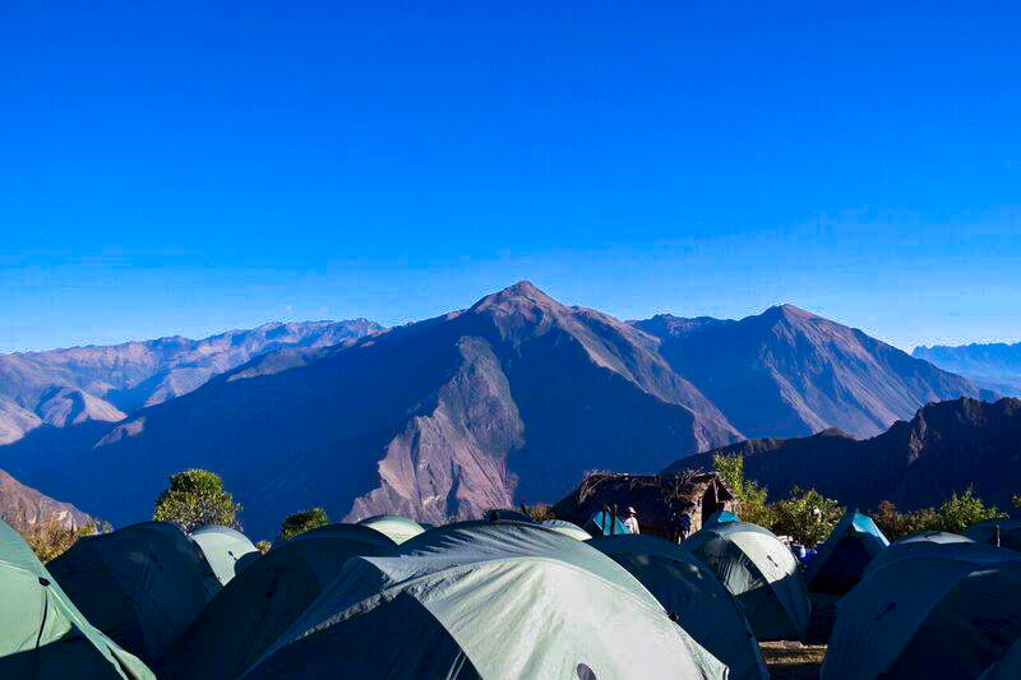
x,y
631,523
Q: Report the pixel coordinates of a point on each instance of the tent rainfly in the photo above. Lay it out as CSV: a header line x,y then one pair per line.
x,y
487,601
843,558
945,610
397,528
758,569
141,585
223,548
722,516
567,529
605,523
42,633
255,608
1005,533
693,597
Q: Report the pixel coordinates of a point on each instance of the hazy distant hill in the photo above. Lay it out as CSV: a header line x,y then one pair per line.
x,y
23,507
67,386
512,399
996,366
945,447
787,372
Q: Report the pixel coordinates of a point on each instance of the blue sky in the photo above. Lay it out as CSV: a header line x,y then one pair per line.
x,y
182,168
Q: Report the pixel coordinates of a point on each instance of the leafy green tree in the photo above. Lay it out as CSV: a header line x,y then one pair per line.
x,y
195,498
895,524
751,498
300,522
806,516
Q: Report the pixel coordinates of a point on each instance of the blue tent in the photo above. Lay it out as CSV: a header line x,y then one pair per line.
x,y
603,523
721,516
845,555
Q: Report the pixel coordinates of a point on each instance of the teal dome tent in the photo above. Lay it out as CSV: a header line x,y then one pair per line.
x,y
758,569
141,585
843,558
42,634
399,529
693,597
223,549
938,611
604,523
262,601
487,601
1004,532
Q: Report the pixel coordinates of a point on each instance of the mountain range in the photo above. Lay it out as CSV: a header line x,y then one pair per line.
x,y
69,386
996,366
945,447
510,400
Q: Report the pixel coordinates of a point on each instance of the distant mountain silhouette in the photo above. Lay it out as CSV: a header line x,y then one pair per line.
x,y
787,372
23,507
510,400
67,386
945,447
996,366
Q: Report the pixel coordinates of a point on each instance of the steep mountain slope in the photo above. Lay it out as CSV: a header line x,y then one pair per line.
x,y
996,366
787,372
66,386
512,399
23,507
945,447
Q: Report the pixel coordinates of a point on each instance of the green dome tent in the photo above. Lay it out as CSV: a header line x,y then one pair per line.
x,y
1007,668
506,515
223,548
932,536
262,601
603,523
567,529
398,528
843,558
493,601
940,611
761,572
692,596
42,633
1006,531
141,585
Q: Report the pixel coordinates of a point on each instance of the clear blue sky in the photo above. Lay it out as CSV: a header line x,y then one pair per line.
x,y
173,167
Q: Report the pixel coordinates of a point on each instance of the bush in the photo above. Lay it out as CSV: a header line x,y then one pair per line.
x,y
196,498
751,498
807,516
955,515
263,546
539,512
300,522
50,538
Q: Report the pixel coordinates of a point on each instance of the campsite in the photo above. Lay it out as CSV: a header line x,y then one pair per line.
x,y
586,589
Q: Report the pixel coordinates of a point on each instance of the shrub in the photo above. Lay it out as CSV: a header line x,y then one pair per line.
x,y
955,515
806,516
751,498
263,546
50,538
539,512
196,498
300,522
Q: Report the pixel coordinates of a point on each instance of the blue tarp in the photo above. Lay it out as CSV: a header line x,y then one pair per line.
x,y
603,523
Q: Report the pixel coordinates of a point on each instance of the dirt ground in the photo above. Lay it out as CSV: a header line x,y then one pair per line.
x,y
793,660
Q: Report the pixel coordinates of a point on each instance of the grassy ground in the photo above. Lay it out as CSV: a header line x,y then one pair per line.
x,y
793,660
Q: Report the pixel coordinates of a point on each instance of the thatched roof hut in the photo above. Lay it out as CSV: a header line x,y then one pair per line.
x,y
660,500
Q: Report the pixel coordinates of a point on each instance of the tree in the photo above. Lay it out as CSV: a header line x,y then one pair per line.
x,y
196,498
960,512
806,516
300,522
751,498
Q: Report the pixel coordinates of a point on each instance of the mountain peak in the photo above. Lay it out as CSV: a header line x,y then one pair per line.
x,y
521,294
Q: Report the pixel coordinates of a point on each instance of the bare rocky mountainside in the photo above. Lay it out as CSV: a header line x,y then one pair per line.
x,y
996,366
69,386
510,400
945,447
23,507
787,373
